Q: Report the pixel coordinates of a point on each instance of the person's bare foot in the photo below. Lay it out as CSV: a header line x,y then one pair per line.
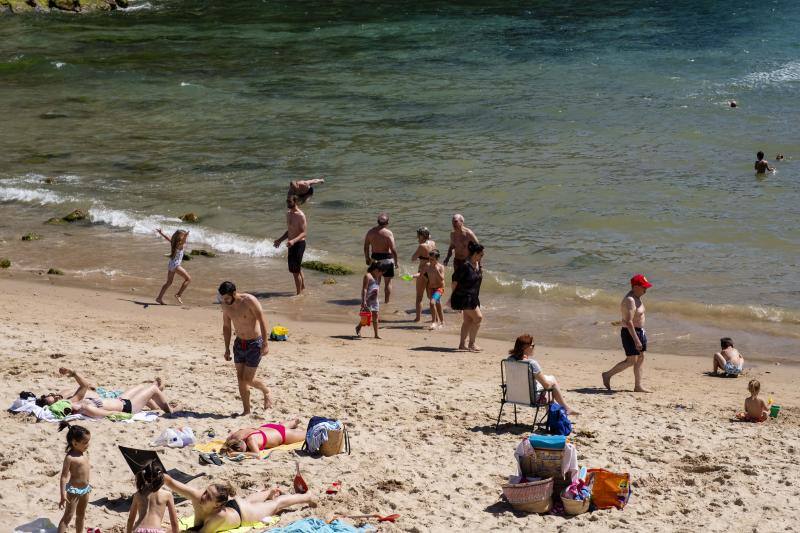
x,y
358,331
378,337
640,389
417,319
267,400
178,297
461,348
475,348
274,493
573,412
159,301
606,381
294,424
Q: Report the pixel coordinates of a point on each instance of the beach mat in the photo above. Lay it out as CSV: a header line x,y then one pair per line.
x,y
185,522
216,444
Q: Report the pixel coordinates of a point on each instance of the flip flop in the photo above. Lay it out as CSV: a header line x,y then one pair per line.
x,y
205,459
238,459
334,488
216,459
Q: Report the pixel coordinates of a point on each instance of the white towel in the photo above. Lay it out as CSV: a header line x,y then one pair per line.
x,y
569,461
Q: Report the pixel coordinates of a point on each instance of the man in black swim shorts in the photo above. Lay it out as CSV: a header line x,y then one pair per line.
x,y
379,247
632,334
297,227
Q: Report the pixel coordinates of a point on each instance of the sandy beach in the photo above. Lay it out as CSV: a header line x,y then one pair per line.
x,y
421,420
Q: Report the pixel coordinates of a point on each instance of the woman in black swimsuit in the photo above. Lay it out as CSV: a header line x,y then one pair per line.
x,y
466,296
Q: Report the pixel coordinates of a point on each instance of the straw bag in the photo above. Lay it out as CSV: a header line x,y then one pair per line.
x,y
337,441
575,507
545,463
532,497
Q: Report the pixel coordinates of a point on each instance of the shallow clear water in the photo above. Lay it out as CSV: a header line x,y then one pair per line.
x,y
582,143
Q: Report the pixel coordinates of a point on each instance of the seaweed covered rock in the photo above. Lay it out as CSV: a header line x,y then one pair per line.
x,y
55,272
16,6
327,268
66,5
78,214
191,218
204,253
5,263
55,221
49,6
31,237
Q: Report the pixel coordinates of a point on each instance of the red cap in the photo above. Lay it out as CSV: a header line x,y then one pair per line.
x,y
641,281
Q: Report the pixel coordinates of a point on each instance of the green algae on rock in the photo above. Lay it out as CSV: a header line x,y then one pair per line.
x,y
5,263
190,218
78,214
55,272
327,268
204,253
31,237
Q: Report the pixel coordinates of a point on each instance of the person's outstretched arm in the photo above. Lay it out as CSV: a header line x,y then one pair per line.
x,y
173,515
83,385
182,490
132,515
158,230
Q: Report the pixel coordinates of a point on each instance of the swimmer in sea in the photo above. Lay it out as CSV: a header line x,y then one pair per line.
x,y
762,165
303,189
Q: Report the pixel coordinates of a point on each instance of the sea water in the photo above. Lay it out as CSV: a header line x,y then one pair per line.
x,y
582,144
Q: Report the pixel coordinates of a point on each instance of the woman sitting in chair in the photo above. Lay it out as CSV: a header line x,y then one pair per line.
x,y
523,351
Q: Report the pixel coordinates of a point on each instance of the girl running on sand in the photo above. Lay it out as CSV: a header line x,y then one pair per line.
x,y
151,502
177,243
369,295
74,481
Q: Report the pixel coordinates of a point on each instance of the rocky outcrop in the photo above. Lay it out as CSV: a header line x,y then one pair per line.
x,y
204,253
191,218
78,214
48,6
5,263
31,237
55,272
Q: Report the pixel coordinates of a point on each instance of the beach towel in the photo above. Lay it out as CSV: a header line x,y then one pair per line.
x,y
216,444
548,442
185,522
29,406
315,525
40,525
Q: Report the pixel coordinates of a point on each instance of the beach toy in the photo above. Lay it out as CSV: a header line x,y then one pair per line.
x,y
406,277
278,333
774,410
299,483
366,318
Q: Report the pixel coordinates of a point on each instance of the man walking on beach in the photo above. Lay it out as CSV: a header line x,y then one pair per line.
x,y
379,246
244,312
634,338
296,233
460,238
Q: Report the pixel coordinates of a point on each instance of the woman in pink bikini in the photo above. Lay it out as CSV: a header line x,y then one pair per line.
x,y
265,437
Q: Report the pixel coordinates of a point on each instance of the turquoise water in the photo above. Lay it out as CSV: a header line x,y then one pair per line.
x,y
581,143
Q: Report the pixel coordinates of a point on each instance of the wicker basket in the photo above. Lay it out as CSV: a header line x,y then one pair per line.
x,y
532,497
575,507
334,444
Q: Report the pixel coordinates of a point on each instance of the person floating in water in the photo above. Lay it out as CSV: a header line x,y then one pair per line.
x,y
762,165
303,189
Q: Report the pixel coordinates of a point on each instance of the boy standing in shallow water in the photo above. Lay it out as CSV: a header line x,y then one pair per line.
x,y
433,272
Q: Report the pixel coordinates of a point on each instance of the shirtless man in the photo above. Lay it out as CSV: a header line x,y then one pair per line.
x,y
728,359
460,237
634,338
762,165
250,345
302,189
379,246
296,233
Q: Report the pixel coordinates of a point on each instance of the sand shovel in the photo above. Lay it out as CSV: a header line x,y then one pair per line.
x,y
299,483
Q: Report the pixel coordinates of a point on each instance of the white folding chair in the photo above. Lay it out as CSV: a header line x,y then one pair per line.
x,y
521,388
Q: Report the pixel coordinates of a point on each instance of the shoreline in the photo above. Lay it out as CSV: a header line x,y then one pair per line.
x,y
421,418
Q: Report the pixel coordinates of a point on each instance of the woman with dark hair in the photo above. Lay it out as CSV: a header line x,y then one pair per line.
x,y
466,296
523,351
151,502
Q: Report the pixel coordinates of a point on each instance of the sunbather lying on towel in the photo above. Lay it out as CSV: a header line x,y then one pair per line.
x,y
264,437
218,509
86,401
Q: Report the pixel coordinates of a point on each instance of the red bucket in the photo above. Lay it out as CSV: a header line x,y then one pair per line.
x,y
366,318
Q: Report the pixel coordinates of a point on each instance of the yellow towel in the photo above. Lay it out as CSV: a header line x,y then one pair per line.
x,y
186,522
216,444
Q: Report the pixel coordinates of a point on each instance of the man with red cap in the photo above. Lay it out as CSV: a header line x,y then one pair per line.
x,y
634,338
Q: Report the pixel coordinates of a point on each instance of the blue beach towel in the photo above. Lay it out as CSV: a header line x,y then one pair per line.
x,y
548,442
315,525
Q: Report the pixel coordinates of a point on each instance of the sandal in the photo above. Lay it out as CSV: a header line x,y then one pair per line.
x,y
205,459
216,459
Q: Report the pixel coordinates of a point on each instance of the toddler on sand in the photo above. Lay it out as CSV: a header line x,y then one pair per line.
x,y
755,409
151,502
177,244
370,287
433,274
74,481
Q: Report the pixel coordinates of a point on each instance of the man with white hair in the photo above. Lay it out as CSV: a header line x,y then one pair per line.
x,y
460,238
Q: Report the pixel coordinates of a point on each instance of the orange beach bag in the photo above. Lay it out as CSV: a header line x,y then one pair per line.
x,y
609,489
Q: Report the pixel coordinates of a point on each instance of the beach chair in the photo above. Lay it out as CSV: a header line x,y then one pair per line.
x,y
520,388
